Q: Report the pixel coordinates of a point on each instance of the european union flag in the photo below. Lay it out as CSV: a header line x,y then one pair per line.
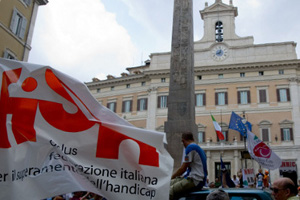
x,y
237,124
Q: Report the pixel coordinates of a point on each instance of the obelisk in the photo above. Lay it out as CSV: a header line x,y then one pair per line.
x,y
181,100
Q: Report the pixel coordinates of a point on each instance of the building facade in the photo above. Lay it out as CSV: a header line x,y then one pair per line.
x,y
259,82
17,19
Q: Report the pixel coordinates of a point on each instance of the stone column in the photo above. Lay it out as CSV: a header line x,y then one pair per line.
x,y
295,101
151,113
236,161
181,101
209,166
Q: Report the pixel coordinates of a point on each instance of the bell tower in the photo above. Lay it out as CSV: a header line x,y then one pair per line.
x,y
219,22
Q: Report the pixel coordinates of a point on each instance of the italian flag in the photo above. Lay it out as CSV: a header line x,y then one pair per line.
x,y
218,129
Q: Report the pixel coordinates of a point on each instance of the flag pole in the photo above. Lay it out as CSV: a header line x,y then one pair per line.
x,y
221,120
245,136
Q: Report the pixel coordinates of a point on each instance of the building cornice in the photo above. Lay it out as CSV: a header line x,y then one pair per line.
x,y
228,68
119,80
256,65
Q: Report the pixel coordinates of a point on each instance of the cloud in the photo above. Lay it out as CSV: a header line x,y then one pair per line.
x,y
81,39
84,40
155,17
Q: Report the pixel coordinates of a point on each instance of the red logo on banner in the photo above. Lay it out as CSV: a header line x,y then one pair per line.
x,y
23,110
262,150
108,147
23,113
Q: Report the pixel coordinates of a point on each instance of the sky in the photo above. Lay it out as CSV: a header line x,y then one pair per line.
x,y
96,38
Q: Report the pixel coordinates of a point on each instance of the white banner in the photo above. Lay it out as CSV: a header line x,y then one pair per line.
x,y
55,138
261,153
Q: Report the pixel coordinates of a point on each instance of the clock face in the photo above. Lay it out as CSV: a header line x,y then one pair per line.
x,y
219,52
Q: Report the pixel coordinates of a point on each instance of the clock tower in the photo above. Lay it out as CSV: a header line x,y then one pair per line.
x,y
219,22
220,44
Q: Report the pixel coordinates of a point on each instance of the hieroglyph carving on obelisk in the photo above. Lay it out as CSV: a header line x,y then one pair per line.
x,y
181,100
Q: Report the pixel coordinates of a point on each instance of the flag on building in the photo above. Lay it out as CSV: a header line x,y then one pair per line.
x,y
218,129
260,152
225,177
236,123
55,138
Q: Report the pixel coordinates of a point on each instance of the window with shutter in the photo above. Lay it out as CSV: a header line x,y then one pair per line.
x,y
138,104
142,104
262,96
201,137
277,94
283,94
265,135
248,97
112,106
200,99
221,98
9,55
158,102
243,97
287,134
291,134
146,104
288,94
226,135
127,106
28,2
162,102
18,24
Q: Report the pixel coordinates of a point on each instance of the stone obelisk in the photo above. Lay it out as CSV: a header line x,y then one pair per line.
x,y
181,100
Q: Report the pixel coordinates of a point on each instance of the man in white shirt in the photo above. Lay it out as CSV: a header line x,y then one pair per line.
x,y
236,180
193,168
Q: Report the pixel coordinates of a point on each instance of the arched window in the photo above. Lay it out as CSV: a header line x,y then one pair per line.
x,y
219,31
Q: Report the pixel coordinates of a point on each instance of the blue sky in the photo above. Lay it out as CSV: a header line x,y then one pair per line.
x,y
94,38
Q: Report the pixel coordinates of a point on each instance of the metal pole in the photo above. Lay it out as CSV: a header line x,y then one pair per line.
x,y
245,136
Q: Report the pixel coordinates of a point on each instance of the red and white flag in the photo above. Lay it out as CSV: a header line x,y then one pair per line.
x,y
260,152
55,138
218,129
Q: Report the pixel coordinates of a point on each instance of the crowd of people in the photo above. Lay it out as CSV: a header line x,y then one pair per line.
x,y
282,189
192,175
77,196
262,180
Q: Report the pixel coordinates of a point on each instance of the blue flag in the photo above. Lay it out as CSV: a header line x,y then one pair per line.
x,y
225,175
237,124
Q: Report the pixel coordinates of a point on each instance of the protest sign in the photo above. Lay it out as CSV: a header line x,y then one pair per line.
x,y
248,177
55,138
